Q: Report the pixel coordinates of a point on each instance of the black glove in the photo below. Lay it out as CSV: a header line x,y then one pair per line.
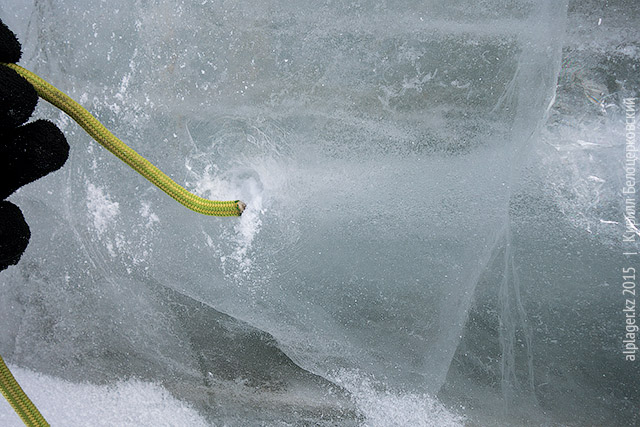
x,y
27,152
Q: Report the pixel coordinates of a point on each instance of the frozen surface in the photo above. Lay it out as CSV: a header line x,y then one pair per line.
x,y
412,191
126,403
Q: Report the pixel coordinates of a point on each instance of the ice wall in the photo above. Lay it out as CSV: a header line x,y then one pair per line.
x,y
376,145
563,363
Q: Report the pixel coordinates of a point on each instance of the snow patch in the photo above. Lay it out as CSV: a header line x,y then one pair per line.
x,y
125,403
385,408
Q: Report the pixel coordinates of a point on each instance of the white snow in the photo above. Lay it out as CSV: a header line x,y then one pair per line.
x,y
125,403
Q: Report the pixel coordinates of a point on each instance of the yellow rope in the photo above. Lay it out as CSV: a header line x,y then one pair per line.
x,y
8,385
18,399
145,168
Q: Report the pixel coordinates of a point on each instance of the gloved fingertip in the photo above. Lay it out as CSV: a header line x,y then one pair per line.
x,y
18,99
31,152
14,234
50,143
10,50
